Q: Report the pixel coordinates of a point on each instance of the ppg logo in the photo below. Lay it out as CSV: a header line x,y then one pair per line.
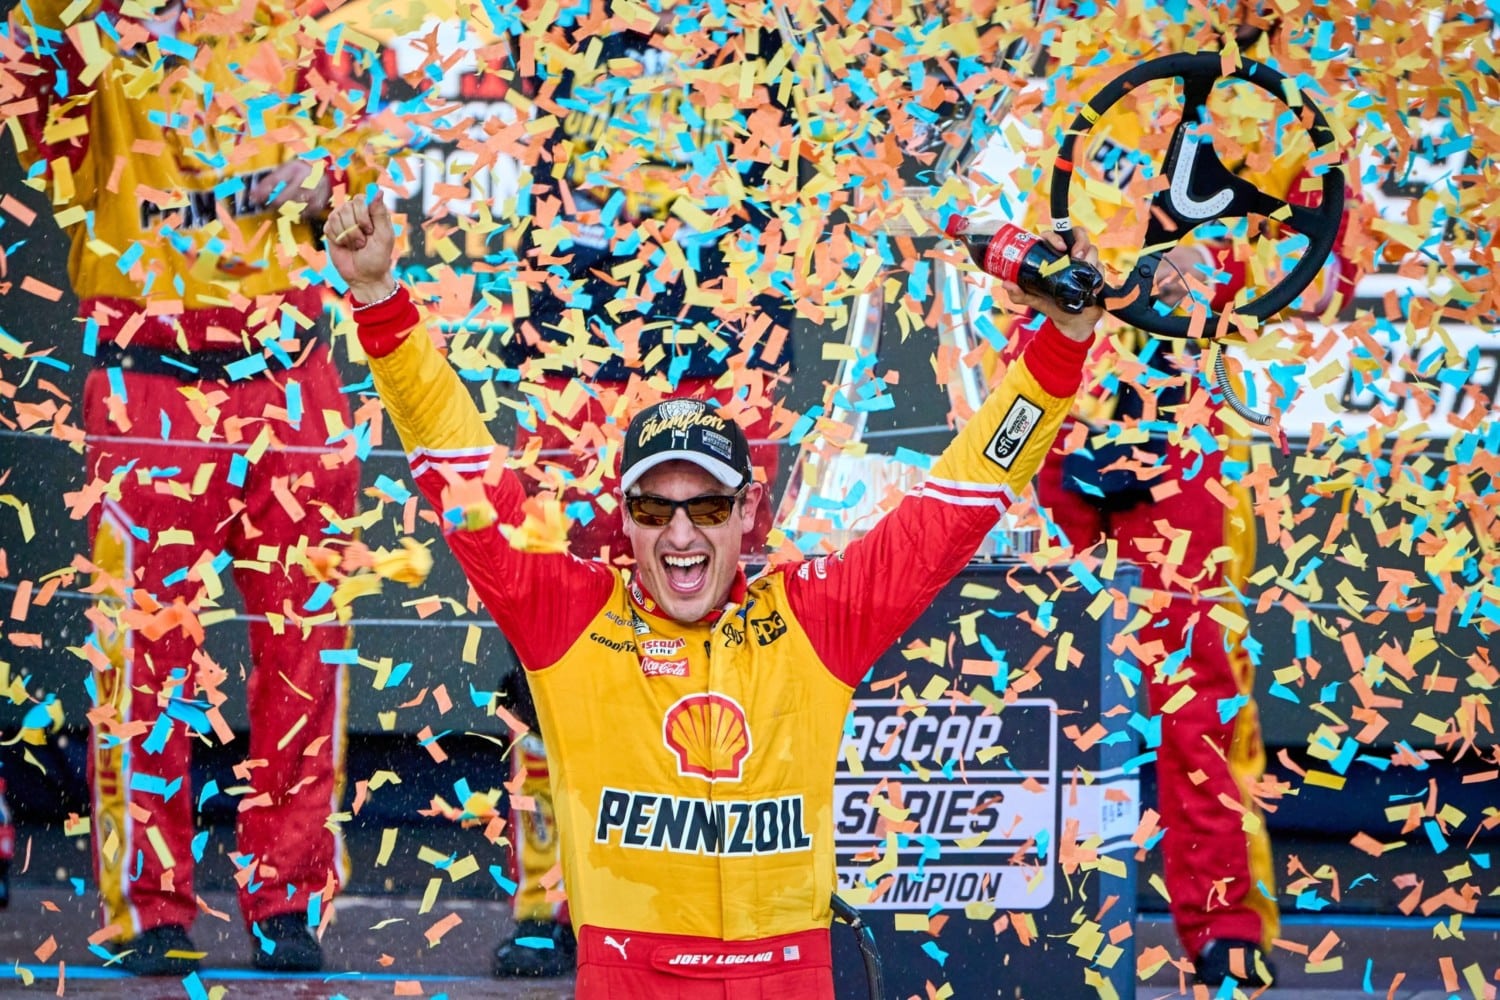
x,y
768,630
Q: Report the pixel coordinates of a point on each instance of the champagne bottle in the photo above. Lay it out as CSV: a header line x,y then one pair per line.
x,y
1016,256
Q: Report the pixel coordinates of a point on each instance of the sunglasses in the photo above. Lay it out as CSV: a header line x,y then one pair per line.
x,y
705,511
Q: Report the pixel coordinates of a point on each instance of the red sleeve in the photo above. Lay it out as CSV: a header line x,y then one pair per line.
x,y
543,602
1057,360
385,325
853,605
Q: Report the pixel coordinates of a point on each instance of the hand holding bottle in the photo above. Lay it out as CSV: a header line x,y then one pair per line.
x,y
1039,272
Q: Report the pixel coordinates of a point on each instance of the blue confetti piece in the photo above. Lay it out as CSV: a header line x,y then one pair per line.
x,y
1345,757
266,944
246,367
540,943
1230,707
1280,690
935,953
580,511
157,741
1083,575
907,456
194,987
117,384
506,885
1310,900
320,597
200,841
294,403
239,467
208,791
152,785
348,657
1435,835
129,258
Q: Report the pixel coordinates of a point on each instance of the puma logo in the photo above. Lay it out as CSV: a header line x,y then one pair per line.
x,y
619,946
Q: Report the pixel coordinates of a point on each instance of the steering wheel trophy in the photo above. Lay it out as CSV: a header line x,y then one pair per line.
x,y
1201,189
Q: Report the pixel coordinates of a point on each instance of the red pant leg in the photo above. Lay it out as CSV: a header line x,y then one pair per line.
x,y
139,762
1215,849
1214,857
297,693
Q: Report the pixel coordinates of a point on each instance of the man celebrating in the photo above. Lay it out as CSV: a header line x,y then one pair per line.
x,y
694,717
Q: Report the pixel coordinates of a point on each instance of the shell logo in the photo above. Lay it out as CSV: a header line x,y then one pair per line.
x,y
709,736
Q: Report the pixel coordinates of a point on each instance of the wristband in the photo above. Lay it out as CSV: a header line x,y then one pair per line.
x,y
378,302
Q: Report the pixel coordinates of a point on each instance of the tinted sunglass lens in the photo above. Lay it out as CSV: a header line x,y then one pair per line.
x,y
656,512
709,511
652,512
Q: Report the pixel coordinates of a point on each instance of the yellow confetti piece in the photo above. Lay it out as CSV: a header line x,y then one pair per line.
x,y
1179,698
1064,648
853,760
410,564
429,896
1428,724
1096,979
387,846
471,644
1322,779
1232,620
292,732
979,910
939,684
219,616
159,846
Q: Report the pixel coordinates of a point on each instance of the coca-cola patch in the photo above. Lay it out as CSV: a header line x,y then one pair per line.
x,y
664,668
1015,430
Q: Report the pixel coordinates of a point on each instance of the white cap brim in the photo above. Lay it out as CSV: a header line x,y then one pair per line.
x,y
722,471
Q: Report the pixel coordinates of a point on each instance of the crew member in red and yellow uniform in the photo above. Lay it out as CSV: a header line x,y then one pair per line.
x,y
693,717
1186,539
186,167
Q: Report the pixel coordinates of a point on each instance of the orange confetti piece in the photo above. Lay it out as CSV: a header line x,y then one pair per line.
x,y
435,933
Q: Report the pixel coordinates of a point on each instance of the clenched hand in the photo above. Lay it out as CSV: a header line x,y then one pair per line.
x,y
361,239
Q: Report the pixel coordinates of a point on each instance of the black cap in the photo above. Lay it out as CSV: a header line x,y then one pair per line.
x,y
685,430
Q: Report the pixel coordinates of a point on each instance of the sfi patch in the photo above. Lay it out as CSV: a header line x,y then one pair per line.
x,y
1015,430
